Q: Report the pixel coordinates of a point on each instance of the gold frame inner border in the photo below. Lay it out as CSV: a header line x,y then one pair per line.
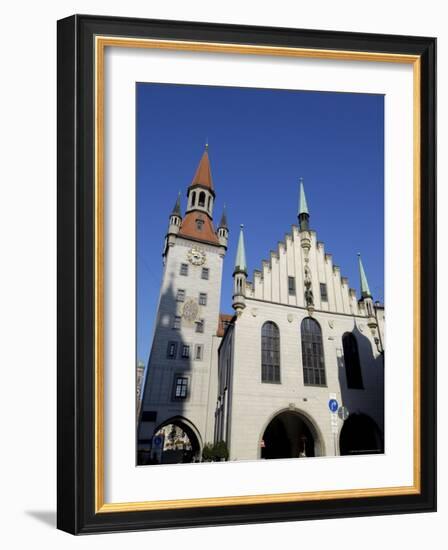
x,y
101,43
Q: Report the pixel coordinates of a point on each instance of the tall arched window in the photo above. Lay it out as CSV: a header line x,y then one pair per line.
x,y
201,201
193,198
270,353
352,363
312,353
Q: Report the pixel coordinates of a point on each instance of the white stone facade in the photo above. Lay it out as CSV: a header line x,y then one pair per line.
x,y
225,396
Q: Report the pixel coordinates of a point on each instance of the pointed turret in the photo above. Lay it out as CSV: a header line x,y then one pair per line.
x,y
303,214
175,218
176,210
198,220
240,276
223,230
365,290
240,262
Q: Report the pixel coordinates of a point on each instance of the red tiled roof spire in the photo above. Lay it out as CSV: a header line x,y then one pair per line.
x,y
203,175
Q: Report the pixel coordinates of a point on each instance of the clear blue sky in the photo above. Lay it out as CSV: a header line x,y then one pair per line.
x,y
260,143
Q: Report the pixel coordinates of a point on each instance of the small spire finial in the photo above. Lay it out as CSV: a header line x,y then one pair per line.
x,y
365,289
206,143
240,263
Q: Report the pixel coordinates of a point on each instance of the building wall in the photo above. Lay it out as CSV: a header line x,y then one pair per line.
x,y
199,407
254,403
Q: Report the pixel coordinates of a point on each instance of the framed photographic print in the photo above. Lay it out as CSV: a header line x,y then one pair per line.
x,y
246,274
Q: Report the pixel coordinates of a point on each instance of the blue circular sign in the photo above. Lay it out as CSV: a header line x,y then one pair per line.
x,y
157,441
333,405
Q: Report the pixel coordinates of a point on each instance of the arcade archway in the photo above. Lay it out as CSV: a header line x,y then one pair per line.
x,y
290,434
175,441
360,435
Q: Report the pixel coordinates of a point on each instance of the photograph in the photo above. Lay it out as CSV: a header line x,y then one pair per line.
x,y
260,299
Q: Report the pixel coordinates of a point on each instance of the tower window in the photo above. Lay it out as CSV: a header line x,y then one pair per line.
x,y
180,387
323,292
312,353
185,351
201,201
171,350
180,295
176,323
352,363
184,269
270,353
200,325
209,203
291,286
198,352
202,299
193,198
199,224
205,273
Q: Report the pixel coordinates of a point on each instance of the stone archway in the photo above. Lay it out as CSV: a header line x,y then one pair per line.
x,y
360,435
176,441
290,434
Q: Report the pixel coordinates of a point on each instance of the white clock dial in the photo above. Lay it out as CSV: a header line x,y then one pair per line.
x,y
196,256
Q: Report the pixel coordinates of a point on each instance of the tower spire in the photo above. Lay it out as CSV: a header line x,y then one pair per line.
x,y
303,213
176,210
240,262
365,290
240,276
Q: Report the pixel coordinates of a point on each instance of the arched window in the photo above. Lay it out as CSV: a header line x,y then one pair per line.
x,y
193,198
201,201
312,353
270,353
352,363
209,203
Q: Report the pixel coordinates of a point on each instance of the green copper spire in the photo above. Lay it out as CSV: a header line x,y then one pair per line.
x,y
365,290
303,207
240,263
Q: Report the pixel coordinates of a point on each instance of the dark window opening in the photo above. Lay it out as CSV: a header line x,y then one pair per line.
x,y
352,363
205,273
323,292
201,201
270,353
291,285
180,295
312,353
181,387
184,269
202,299
171,350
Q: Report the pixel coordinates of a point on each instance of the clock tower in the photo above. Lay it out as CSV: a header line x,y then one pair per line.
x,y
181,381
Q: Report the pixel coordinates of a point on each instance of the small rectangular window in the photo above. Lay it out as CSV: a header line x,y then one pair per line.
x,y
202,299
199,224
291,285
184,269
176,323
198,352
323,292
205,273
180,295
171,351
181,387
200,325
185,351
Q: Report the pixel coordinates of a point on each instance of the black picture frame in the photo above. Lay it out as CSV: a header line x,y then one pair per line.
x,y
76,480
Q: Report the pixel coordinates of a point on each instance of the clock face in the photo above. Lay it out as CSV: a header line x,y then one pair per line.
x,y
196,256
190,310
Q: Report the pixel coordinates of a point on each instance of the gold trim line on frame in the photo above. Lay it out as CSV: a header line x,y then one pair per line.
x,y
100,43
